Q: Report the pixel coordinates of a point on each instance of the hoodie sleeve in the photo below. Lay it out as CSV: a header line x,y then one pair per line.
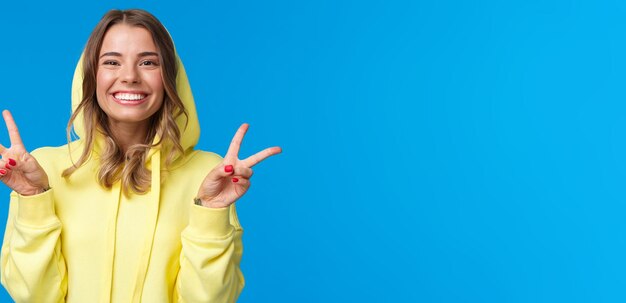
x,y
210,256
33,268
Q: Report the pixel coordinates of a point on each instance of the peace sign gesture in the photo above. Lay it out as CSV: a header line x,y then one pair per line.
x,y
18,169
230,180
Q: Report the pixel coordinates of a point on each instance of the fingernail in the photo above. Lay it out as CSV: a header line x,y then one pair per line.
x,y
228,168
235,180
7,166
12,162
3,172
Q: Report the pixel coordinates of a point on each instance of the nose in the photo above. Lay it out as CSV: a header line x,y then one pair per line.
x,y
129,74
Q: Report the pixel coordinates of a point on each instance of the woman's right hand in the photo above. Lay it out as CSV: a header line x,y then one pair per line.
x,y
18,169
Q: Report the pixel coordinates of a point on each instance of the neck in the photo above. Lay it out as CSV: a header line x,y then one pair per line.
x,y
128,134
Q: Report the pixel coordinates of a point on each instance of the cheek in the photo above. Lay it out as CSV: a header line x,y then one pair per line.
x,y
155,81
103,81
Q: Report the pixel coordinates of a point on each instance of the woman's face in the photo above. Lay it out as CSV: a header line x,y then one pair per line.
x,y
129,83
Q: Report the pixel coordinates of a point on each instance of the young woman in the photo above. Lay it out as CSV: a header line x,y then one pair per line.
x,y
129,212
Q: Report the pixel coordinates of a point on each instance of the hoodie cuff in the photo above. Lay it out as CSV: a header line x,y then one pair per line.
x,y
36,210
210,222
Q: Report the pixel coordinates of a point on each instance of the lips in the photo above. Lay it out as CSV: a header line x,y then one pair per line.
x,y
129,98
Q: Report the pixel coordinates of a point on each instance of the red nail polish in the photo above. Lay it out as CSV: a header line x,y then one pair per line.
x,y
228,168
235,180
3,172
12,162
7,166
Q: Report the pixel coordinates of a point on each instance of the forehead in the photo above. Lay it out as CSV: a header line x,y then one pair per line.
x,y
126,39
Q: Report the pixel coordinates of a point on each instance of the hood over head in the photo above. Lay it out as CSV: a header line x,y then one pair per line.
x,y
190,130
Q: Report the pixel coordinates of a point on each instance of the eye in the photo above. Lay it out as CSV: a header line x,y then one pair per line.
x,y
110,62
149,63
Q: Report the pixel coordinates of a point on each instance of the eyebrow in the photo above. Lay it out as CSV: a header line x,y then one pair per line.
x,y
142,54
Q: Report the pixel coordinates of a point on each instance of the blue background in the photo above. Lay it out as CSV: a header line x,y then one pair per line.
x,y
434,151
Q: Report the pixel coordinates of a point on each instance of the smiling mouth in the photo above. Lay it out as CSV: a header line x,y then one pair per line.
x,y
129,98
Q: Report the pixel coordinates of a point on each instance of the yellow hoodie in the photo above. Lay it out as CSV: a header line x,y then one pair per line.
x,y
80,242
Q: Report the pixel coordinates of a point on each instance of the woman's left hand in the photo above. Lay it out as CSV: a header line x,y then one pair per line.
x,y
230,180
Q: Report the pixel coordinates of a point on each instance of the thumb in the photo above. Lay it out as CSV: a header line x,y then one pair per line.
x,y
26,156
26,161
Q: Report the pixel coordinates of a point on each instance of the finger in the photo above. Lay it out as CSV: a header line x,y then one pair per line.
x,y
240,180
8,163
260,156
2,148
3,170
242,185
243,171
221,171
235,144
14,134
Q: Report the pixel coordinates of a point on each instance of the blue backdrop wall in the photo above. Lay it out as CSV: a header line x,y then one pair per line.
x,y
434,151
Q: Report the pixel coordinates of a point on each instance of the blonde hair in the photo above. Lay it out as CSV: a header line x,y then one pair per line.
x,y
115,164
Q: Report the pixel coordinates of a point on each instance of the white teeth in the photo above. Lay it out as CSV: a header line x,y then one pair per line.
x,y
129,97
